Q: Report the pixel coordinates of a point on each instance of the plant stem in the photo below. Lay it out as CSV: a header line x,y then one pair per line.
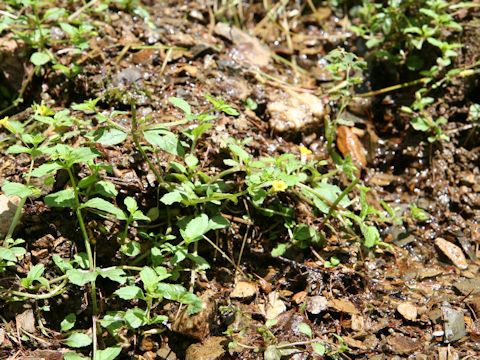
x,y
48,295
139,147
337,201
91,260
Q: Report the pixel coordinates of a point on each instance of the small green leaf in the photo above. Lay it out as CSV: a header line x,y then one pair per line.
x,y
77,340
149,278
129,293
191,161
371,235
158,319
73,356
109,353
171,197
199,130
80,278
178,167
17,149
113,274
166,141
44,169
195,228
280,249
106,188
39,58
62,198
319,348
110,136
68,322
181,104
61,263
135,318
218,222
20,190
272,353
103,205
7,254
305,329
202,264
36,272
132,248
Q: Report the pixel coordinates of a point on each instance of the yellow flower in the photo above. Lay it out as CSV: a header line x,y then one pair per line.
x,y
304,150
278,185
4,121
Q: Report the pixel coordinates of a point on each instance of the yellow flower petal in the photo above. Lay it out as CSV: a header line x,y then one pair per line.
x,y
279,185
4,121
304,150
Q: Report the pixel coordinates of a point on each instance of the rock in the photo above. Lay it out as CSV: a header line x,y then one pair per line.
x,y
8,207
291,111
144,56
402,345
197,326
26,321
247,49
244,290
408,310
126,77
316,304
353,343
275,306
343,305
349,144
447,353
453,252
211,349
165,353
468,286
454,324
358,322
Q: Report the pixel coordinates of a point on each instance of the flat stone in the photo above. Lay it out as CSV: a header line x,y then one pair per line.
x,y
316,304
247,49
453,252
468,286
292,111
8,207
211,349
454,324
402,345
275,306
244,289
197,326
408,310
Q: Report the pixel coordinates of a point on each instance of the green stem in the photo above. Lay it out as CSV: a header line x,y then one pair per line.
x,y
337,201
91,260
139,147
224,173
48,295
219,196
18,211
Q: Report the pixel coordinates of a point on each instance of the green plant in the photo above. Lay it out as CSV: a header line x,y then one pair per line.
x,y
404,28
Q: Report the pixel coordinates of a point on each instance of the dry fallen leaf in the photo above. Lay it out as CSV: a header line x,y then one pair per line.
x,y
343,306
348,144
